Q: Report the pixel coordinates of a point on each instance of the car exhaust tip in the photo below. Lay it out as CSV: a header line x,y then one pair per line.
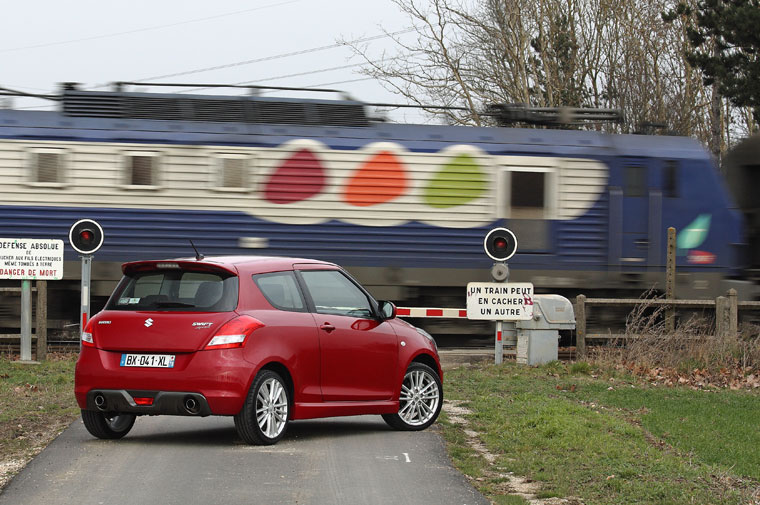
x,y
100,402
192,406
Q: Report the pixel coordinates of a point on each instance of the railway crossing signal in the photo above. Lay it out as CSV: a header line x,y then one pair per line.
x,y
500,244
85,236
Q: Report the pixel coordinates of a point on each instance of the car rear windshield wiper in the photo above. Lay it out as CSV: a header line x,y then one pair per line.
x,y
174,304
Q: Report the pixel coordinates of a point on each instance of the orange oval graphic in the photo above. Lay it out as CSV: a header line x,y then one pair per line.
x,y
379,180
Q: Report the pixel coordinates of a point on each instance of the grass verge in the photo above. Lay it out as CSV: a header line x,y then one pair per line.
x,y
602,438
36,404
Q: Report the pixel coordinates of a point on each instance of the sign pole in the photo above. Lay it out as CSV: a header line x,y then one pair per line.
x,y
499,344
26,320
85,305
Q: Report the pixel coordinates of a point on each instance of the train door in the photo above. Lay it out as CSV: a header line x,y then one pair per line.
x,y
527,200
636,214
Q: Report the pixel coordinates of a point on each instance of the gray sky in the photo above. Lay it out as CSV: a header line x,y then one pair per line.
x,y
94,42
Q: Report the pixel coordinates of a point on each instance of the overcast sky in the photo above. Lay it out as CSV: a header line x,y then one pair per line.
x,y
95,42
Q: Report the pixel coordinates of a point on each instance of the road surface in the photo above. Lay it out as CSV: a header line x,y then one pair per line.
x,y
186,461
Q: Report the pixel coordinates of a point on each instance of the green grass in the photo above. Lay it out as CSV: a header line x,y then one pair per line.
x,y
36,403
718,427
566,429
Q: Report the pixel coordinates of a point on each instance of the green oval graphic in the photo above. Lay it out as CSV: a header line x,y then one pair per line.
x,y
695,233
460,181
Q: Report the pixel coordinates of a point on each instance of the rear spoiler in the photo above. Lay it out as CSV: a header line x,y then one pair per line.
x,y
192,265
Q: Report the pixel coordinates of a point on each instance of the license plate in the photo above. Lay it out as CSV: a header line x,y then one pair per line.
x,y
148,360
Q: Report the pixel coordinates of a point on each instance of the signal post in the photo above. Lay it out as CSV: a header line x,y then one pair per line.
x,y
86,237
500,301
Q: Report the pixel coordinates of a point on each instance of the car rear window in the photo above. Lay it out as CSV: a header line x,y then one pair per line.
x,y
176,290
281,290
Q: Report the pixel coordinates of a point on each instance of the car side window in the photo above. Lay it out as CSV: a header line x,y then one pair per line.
x,y
334,293
281,290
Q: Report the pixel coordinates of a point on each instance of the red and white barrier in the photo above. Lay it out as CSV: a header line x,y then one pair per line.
x,y
427,312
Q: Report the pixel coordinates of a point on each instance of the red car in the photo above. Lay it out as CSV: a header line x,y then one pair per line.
x,y
266,340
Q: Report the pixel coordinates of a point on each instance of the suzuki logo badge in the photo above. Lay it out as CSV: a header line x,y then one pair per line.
x,y
148,323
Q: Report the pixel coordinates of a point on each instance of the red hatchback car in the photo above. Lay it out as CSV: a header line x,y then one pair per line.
x,y
266,340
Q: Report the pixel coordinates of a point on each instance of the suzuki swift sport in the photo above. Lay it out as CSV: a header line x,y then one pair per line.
x,y
265,340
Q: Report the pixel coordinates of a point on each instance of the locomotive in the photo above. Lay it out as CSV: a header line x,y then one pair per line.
x,y
403,207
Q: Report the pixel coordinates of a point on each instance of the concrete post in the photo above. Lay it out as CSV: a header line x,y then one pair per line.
x,y
26,320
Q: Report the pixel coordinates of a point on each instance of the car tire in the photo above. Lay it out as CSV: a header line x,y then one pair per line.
x,y
264,417
420,399
107,426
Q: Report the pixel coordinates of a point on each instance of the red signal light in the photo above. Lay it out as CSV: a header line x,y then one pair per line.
x,y
500,244
87,236
144,401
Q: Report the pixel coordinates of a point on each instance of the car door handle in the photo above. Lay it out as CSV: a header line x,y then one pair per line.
x,y
327,327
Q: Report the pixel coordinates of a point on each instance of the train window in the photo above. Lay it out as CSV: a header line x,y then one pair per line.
x,y
527,201
635,183
527,195
142,168
47,166
670,179
231,172
528,189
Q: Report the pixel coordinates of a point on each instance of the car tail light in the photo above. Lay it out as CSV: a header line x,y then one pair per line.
x,y
143,401
234,333
87,339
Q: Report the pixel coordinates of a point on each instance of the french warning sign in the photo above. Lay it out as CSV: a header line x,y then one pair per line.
x,y
500,301
31,259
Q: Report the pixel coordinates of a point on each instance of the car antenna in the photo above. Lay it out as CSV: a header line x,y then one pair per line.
x,y
198,256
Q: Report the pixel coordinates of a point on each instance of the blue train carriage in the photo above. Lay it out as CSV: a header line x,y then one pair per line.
x,y
741,167
404,207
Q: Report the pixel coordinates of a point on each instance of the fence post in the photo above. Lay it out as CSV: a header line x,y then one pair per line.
x,y
41,320
580,326
721,317
670,280
733,313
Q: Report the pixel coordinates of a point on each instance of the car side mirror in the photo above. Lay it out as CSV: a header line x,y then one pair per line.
x,y
387,310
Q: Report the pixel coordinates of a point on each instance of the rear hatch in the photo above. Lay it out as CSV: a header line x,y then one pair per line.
x,y
156,331
166,306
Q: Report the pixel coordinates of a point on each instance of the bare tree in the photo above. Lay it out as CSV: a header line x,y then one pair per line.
x,y
552,53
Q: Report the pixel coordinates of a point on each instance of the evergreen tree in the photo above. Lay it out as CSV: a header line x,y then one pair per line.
x,y
725,41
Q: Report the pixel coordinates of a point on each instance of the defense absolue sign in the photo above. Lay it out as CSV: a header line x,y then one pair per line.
x,y
31,259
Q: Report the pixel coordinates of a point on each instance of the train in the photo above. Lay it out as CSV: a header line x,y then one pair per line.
x,y
405,208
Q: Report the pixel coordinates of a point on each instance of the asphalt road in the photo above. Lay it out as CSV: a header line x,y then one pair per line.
x,y
176,460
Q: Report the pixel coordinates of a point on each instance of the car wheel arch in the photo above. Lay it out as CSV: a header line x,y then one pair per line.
x,y
283,372
428,360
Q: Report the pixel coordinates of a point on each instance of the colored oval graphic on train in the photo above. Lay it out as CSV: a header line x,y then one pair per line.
x,y
379,180
459,182
299,178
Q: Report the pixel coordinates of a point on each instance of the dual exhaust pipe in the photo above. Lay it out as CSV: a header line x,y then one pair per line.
x,y
190,404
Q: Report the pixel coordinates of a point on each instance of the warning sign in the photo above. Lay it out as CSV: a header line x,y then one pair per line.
x,y
31,259
500,301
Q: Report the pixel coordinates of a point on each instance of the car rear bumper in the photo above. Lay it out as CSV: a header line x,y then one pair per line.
x,y
175,403
217,379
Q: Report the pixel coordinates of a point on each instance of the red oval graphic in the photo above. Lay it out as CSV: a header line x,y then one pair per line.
x,y
299,178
